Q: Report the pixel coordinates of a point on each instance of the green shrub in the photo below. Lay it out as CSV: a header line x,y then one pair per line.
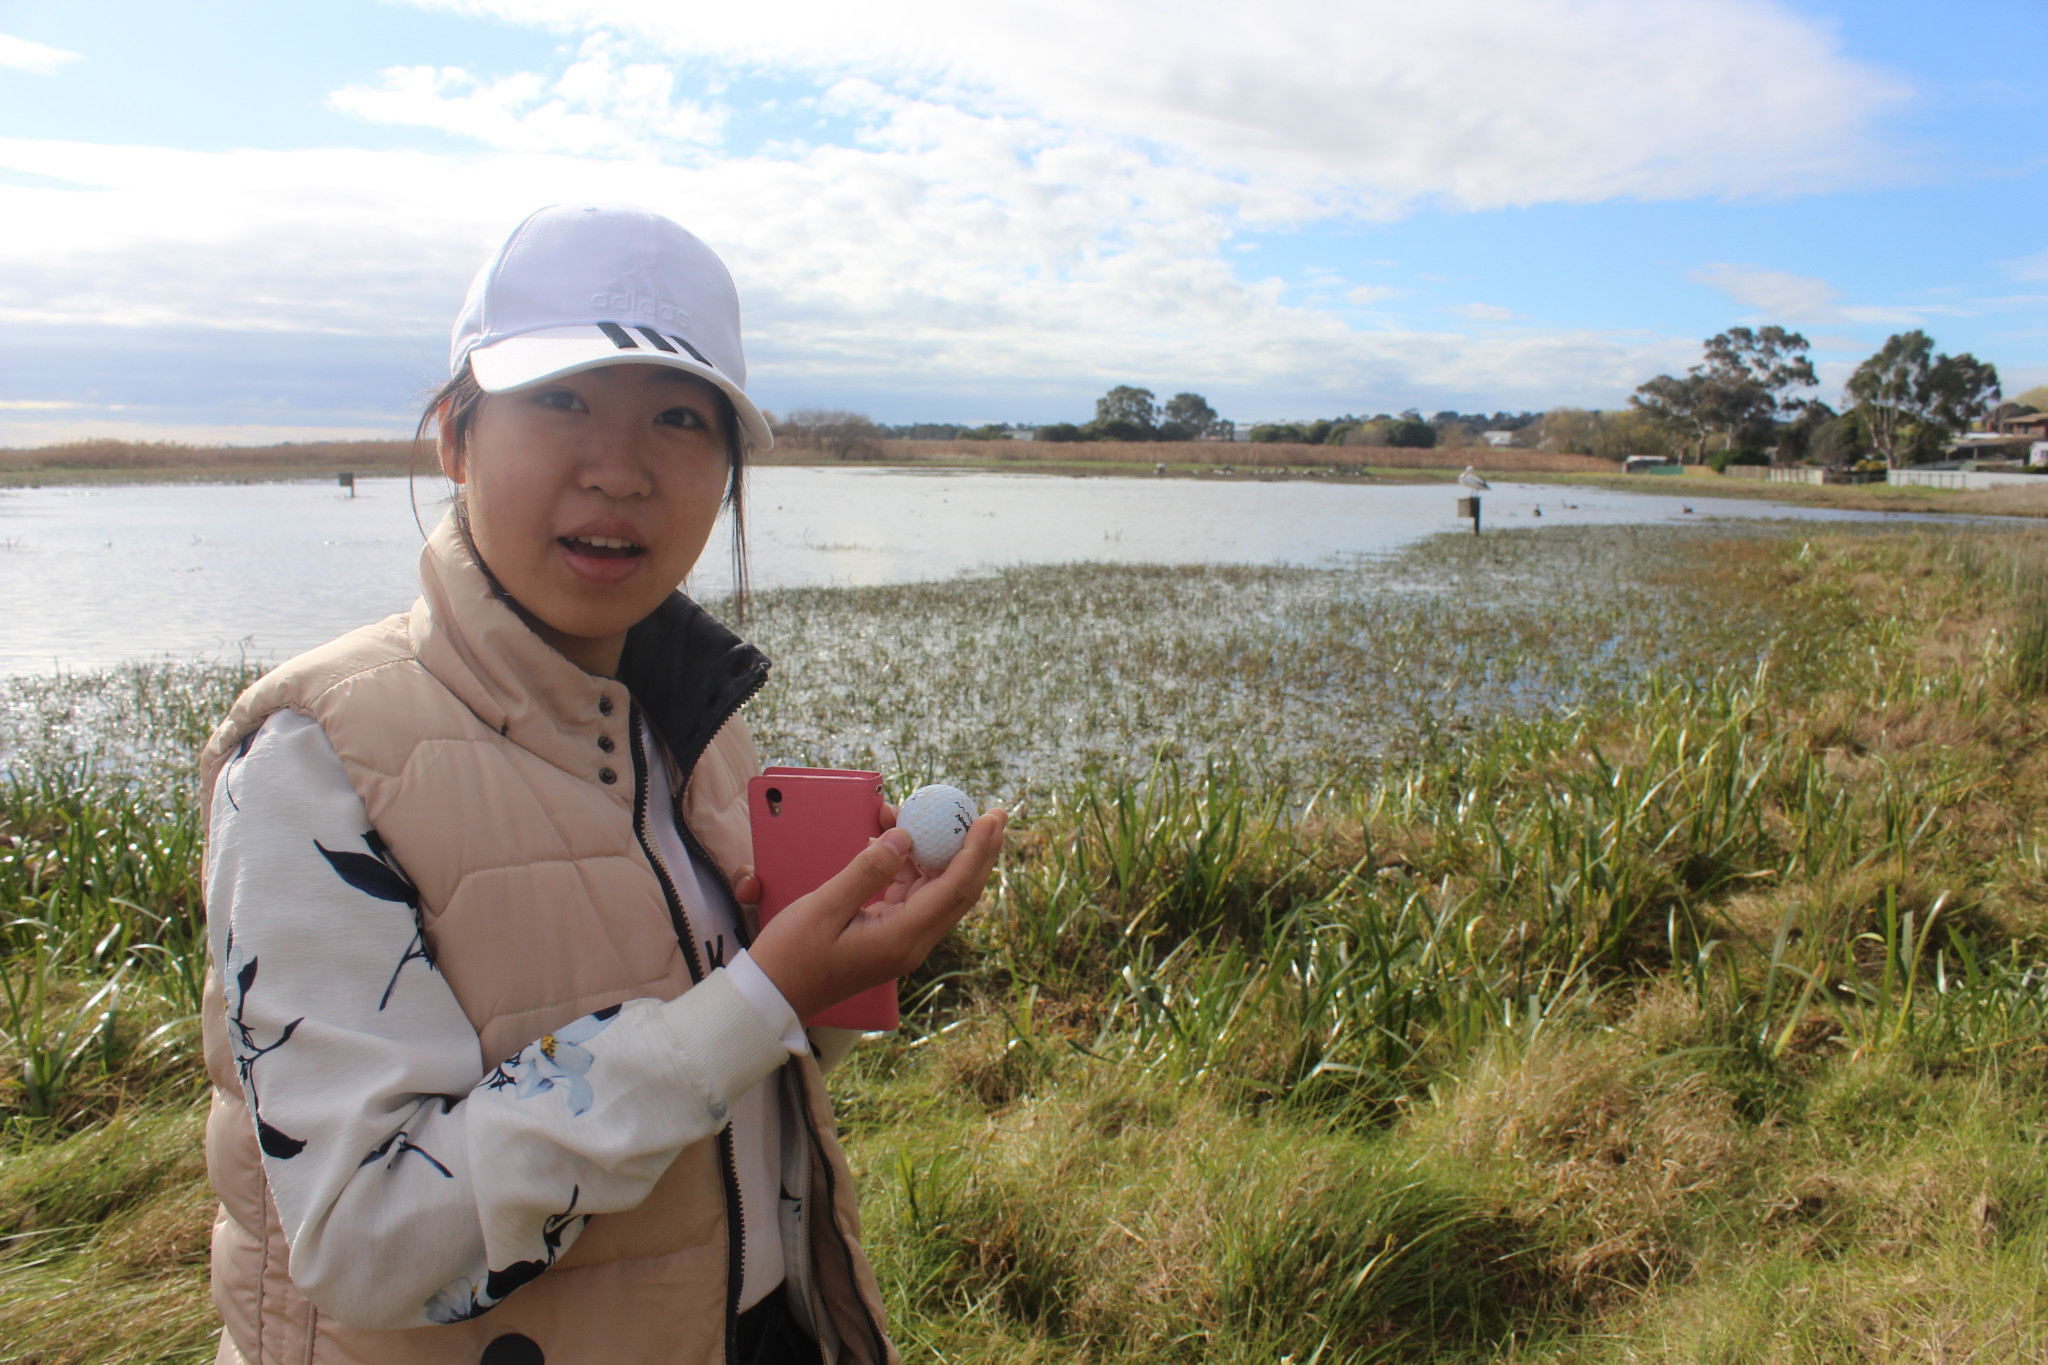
x,y
1279,433
1719,460
1411,433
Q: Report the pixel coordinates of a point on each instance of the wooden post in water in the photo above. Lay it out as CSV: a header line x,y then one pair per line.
x,y
348,481
1469,507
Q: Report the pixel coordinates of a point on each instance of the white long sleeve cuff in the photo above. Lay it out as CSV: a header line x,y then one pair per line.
x,y
757,990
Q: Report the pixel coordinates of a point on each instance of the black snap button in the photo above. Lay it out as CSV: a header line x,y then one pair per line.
x,y
607,776
604,742
604,706
513,1349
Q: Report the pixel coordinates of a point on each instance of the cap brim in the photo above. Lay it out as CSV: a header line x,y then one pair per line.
x,y
520,362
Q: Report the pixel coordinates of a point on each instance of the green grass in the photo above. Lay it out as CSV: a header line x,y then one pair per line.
x,y
1603,946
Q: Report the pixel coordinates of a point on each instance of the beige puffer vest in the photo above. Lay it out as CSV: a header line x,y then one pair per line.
x,y
503,778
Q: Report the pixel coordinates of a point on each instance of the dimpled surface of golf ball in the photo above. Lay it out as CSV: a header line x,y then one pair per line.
x,y
936,819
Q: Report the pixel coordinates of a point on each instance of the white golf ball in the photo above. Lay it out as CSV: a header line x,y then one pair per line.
x,y
936,819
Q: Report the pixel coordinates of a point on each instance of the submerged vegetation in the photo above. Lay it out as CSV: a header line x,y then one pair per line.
x,y
1589,946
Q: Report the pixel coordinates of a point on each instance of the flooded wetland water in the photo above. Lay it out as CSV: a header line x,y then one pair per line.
x,y
93,576
1008,631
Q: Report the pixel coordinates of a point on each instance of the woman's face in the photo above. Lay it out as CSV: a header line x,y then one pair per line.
x,y
590,497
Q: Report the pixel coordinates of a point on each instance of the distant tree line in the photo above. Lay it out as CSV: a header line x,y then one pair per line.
x,y
1408,431
1129,413
1740,405
830,432
1737,406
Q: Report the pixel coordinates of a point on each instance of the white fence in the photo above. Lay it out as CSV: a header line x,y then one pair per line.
x,y
1962,478
1758,473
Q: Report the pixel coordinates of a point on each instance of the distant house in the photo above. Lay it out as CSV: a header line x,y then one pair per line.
x,y
1650,464
1498,439
2012,435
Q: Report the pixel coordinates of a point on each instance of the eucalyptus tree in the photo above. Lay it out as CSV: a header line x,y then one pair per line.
x,y
1909,397
1188,415
1740,391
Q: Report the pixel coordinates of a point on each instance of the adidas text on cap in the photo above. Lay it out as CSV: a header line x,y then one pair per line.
x,y
577,286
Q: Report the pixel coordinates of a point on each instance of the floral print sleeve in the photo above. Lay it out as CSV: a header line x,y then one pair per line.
x,y
418,1181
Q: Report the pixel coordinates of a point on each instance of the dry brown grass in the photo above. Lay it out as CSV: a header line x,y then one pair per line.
x,y
1245,456
155,459
1616,1147
113,461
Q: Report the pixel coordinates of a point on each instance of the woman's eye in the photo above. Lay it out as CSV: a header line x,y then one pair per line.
x,y
559,399
681,417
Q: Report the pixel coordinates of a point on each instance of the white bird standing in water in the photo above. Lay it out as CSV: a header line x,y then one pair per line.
x,y
1472,481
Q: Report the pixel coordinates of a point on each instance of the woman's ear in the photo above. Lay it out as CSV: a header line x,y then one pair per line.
x,y
445,448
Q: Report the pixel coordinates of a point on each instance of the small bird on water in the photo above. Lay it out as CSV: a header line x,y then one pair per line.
x,y
1472,481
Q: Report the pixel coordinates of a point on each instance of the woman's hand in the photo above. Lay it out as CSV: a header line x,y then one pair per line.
x,y
746,887
825,948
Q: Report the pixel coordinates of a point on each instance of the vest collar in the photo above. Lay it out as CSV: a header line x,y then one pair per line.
x,y
689,672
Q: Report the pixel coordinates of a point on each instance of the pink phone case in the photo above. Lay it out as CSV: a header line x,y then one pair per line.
x,y
808,825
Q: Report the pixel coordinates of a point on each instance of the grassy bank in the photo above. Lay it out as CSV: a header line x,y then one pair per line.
x,y
1870,497
1611,945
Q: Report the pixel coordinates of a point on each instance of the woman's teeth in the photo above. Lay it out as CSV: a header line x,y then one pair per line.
x,y
609,544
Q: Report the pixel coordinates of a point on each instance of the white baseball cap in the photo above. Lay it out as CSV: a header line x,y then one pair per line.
x,y
577,286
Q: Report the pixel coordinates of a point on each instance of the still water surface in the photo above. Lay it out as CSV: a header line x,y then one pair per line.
x,y
94,576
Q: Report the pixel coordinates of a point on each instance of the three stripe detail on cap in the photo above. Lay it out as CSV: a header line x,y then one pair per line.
x,y
623,339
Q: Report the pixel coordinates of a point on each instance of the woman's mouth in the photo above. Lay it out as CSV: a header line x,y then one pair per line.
x,y
604,561
601,547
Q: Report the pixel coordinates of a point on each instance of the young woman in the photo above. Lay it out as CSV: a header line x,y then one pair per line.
x,y
504,1071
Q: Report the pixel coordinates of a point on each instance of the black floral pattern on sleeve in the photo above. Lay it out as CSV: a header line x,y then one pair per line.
x,y
403,1143
240,976
463,1299
377,873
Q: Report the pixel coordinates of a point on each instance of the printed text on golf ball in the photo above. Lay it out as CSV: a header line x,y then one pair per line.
x,y
936,818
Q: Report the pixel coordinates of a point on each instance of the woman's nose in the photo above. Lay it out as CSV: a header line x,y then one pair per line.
x,y
614,465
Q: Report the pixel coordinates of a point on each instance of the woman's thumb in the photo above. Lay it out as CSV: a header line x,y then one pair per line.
x,y
867,876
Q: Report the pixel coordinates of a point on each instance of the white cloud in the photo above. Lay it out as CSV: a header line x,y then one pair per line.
x,y
1885,316
602,104
1486,312
1014,211
1376,103
1804,300
1783,296
2033,267
942,260
20,54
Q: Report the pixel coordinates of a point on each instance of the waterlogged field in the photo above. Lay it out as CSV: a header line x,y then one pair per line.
x,y
1031,680
1610,946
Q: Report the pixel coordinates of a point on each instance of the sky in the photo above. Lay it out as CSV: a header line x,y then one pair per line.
x,y
243,221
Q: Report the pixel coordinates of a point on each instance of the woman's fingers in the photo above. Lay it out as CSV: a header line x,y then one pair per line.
x,y
904,933
746,887
863,879
838,941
